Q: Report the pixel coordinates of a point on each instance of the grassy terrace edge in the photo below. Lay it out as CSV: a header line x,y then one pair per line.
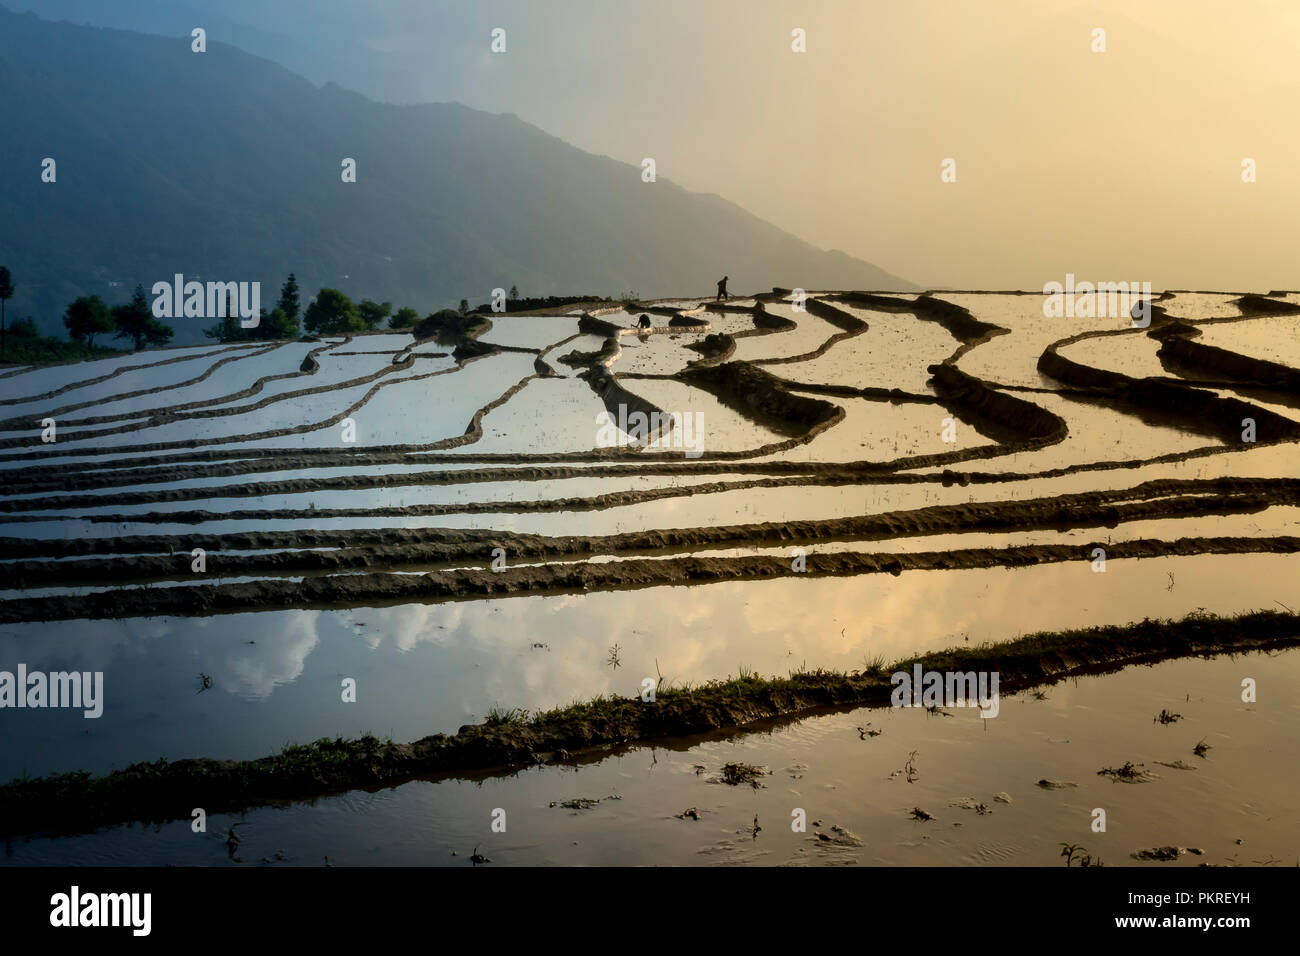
x,y
163,790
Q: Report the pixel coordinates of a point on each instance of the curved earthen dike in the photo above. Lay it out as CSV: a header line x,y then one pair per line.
x,y
963,326
1002,417
113,374
764,321
199,409
714,349
739,385
353,590
829,476
621,404
466,350
849,325
897,471
588,324
1160,498
167,557
609,350
844,321
1263,305
763,397
471,353
45,477
1176,343
167,790
26,421
1197,408
896,396
169,413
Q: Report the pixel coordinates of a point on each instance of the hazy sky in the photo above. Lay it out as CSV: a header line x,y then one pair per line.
x,y
1122,165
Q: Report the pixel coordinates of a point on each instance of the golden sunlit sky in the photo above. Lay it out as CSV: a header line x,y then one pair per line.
x,y
1122,165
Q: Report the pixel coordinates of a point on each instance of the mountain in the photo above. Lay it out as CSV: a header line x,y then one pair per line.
x,y
225,166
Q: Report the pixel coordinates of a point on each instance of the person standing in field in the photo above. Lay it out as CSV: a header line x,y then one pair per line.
x,y
722,288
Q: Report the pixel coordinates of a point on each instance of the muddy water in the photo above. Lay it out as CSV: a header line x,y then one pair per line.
x,y
882,431
659,354
1236,806
1012,359
894,352
1098,432
808,336
1202,305
1133,355
714,426
423,669
529,331
1273,338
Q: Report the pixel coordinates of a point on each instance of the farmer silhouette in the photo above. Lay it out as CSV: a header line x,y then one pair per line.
x,y
722,288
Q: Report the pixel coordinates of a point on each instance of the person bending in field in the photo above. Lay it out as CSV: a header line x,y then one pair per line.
x,y
722,289
644,323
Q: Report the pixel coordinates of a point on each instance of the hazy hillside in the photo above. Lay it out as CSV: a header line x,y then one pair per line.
x,y
225,166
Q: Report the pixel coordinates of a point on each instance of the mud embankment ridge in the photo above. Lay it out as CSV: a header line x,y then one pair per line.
x,y
763,397
1197,408
1002,417
1178,343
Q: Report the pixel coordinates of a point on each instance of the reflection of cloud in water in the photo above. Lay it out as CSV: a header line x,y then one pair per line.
x,y
414,624
79,645
277,658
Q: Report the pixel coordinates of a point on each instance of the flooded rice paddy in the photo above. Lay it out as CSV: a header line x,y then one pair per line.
x,y
232,534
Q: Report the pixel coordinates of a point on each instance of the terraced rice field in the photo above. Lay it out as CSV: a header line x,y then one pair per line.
x,y
574,509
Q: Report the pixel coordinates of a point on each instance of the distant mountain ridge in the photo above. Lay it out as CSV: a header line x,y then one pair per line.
x,y
225,166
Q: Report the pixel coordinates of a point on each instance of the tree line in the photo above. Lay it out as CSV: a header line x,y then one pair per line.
x,y
87,317
331,312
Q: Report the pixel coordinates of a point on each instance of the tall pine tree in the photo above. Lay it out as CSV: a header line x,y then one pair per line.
x,y
135,321
288,303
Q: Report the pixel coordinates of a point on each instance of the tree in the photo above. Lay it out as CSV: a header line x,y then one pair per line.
x,y
226,330
135,321
229,328
6,293
374,313
288,303
331,313
404,318
514,292
464,306
87,317
279,325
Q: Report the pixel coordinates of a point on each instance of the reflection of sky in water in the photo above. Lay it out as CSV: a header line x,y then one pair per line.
x,y
424,669
1243,791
